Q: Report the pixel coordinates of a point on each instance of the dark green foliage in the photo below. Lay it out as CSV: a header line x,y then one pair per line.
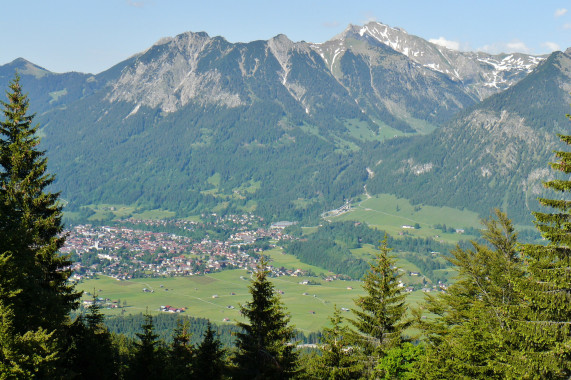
x,y
209,362
30,225
25,355
339,359
469,338
265,347
329,255
166,323
477,152
330,246
149,354
181,353
380,314
90,352
544,335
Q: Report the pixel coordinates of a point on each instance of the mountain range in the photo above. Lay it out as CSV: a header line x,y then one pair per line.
x,y
289,129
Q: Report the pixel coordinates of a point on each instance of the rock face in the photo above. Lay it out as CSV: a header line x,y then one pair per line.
x,y
168,76
295,127
480,74
393,78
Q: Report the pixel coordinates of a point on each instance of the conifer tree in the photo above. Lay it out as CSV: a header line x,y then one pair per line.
x,y
265,347
545,330
90,351
380,314
469,336
30,225
25,356
209,362
338,360
148,359
181,353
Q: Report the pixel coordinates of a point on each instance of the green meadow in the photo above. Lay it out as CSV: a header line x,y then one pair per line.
x,y
389,213
218,296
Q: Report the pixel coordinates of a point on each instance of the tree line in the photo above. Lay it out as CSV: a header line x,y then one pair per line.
x,y
507,315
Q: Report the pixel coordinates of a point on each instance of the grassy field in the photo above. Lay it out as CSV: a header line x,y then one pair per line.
x,y
279,259
389,213
366,253
218,296
104,212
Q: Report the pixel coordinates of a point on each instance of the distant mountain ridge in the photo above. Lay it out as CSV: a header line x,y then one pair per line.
x,y
285,128
494,154
481,73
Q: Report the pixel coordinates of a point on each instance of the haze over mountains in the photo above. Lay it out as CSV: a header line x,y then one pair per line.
x,y
293,128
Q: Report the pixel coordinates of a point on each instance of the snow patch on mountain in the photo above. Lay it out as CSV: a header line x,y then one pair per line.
x,y
482,73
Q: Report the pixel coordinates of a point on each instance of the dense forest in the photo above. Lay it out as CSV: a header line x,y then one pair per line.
x,y
330,247
507,315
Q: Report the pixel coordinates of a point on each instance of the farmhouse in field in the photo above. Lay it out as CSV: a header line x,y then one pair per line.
x,y
170,309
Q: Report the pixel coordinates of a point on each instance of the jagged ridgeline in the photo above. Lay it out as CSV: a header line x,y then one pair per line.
x,y
285,129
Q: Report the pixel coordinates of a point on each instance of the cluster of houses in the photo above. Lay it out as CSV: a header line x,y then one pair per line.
x,y
103,302
127,252
172,309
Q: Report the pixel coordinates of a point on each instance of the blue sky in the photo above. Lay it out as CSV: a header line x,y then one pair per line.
x,y
93,35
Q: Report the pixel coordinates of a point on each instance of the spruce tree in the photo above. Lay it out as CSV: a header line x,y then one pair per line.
x,y
32,354
338,360
265,347
380,314
148,359
468,338
181,352
544,332
90,351
31,231
209,361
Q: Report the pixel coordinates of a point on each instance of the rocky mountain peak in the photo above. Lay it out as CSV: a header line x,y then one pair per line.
x,y
25,67
167,76
482,74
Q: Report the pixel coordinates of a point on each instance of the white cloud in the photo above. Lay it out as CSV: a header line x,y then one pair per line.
x,y
454,45
552,46
567,26
517,46
514,46
560,12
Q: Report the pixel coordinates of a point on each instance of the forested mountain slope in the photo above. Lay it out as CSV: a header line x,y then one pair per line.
x,y
492,155
284,128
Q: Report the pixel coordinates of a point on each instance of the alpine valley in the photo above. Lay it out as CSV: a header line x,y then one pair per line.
x,y
289,130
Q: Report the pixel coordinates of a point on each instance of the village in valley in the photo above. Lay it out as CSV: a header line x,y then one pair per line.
x,y
138,248
131,249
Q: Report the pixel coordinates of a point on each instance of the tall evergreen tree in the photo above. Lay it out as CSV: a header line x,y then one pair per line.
x,y
90,351
545,330
380,314
209,361
469,336
181,353
30,225
265,347
149,356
